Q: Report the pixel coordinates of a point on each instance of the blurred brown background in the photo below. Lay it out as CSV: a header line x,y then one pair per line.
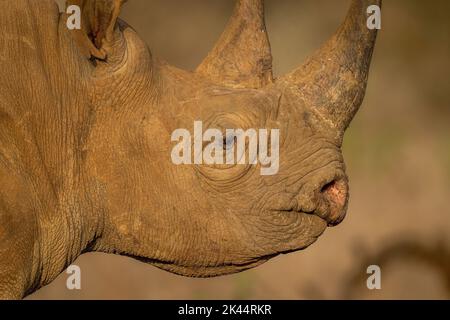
x,y
397,152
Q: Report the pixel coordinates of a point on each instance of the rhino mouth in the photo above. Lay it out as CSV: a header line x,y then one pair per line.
x,y
331,203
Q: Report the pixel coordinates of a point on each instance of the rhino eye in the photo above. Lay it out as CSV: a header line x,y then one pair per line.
x,y
228,142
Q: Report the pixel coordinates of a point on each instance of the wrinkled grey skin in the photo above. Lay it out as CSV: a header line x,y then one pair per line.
x,y
85,146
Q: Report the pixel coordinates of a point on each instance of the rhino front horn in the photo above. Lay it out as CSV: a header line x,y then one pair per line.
x,y
333,80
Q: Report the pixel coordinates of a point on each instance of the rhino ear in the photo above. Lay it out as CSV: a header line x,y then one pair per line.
x,y
98,24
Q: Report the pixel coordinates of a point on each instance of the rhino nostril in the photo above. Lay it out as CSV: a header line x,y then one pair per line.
x,y
328,186
335,193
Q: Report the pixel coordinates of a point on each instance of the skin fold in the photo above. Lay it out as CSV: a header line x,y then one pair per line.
x,y
85,123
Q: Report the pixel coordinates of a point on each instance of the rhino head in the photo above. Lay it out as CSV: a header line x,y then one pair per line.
x,y
89,117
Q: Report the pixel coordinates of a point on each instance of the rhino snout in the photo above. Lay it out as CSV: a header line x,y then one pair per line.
x,y
333,200
327,200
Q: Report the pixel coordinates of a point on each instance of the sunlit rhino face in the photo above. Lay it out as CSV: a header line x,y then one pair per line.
x,y
218,170
234,213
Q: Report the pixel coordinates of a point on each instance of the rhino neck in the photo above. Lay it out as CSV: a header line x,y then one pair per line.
x,y
45,119
87,98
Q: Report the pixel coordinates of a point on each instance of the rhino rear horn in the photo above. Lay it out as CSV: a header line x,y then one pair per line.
x,y
242,57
